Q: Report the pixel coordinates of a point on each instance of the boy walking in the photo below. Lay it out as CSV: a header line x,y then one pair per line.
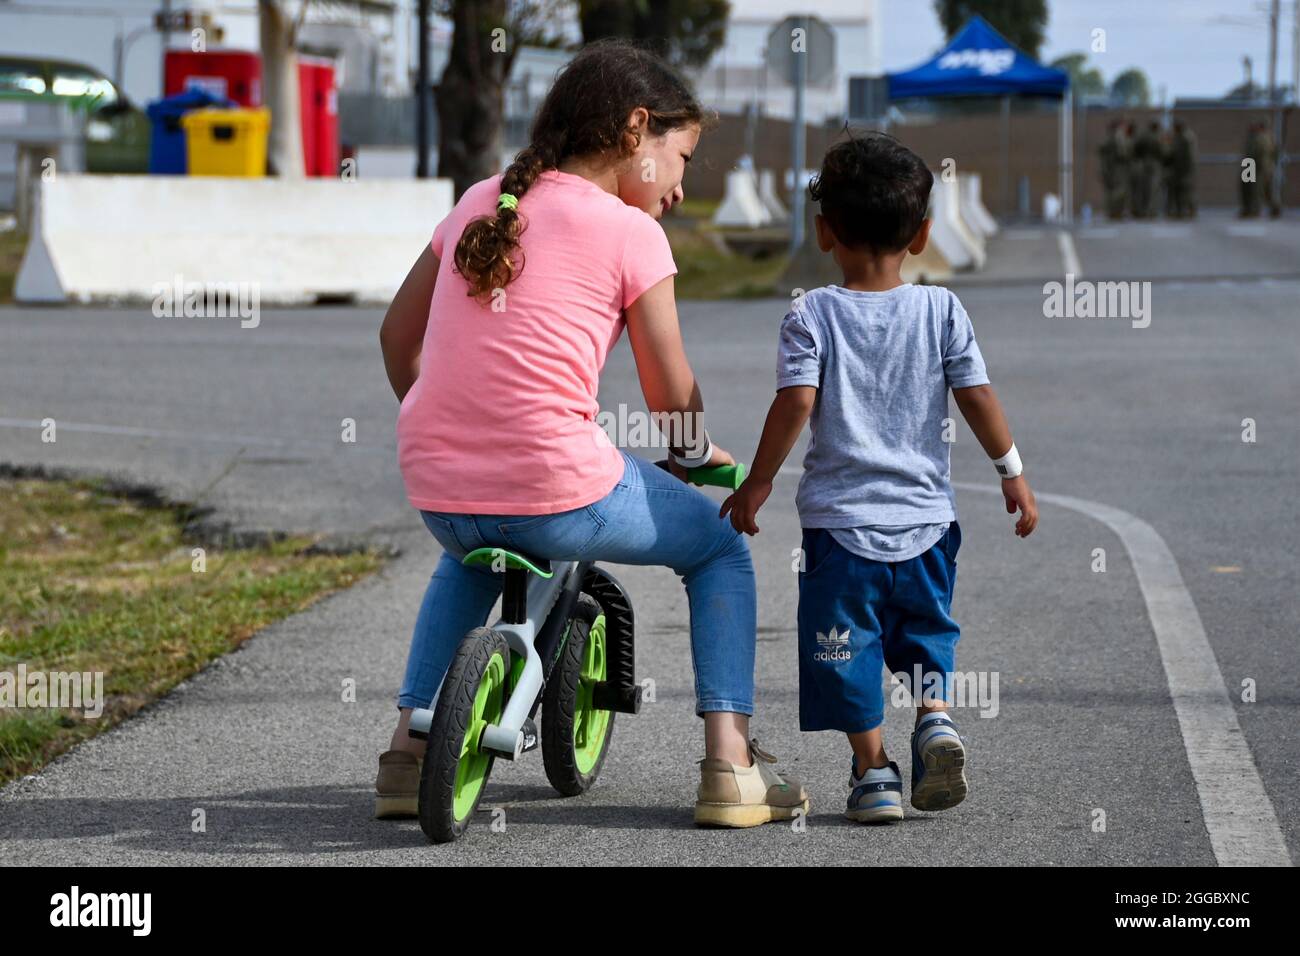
x,y
871,362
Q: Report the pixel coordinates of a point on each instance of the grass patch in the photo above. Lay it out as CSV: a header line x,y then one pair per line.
x,y
12,245
690,208
94,579
707,271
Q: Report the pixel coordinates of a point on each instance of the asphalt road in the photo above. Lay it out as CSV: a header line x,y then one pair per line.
x,y
1122,429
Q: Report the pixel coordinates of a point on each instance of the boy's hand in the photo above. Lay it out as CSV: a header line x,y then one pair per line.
x,y
1017,494
744,504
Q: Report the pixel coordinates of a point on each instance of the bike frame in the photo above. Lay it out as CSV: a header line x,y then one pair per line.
x,y
549,604
508,738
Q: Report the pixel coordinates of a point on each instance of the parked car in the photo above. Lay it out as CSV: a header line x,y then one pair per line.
x,y
117,131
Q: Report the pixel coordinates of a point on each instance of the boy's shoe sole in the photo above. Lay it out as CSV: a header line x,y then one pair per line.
x,y
739,815
944,784
875,815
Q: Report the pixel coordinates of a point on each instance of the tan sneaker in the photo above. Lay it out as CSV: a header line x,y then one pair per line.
x,y
732,796
397,787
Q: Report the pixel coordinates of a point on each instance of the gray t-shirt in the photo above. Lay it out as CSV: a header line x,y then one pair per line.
x,y
888,542
882,363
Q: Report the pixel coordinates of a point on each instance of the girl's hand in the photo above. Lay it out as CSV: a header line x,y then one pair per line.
x,y
720,456
1017,493
744,504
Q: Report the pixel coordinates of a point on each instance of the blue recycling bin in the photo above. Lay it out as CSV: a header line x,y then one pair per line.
x,y
167,137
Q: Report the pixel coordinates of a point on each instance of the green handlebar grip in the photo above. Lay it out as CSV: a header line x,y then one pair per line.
x,y
724,476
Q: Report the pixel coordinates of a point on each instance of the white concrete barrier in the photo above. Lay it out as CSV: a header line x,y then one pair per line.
x,y
741,204
767,194
952,237
930,267
973,209
119,238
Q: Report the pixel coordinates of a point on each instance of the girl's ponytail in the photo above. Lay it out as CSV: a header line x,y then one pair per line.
x,y
585,113
485,254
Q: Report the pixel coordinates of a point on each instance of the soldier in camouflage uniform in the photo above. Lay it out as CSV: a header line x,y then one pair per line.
x,y
1145,171
1180,175
1260,148
1116,154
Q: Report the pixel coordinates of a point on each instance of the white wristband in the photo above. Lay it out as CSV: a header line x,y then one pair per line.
x,y
1009,465
701,457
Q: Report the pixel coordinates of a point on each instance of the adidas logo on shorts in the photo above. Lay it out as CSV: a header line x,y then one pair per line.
x,y
833,646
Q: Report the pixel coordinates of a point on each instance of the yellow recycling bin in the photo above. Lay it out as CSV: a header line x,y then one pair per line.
x,y
226,142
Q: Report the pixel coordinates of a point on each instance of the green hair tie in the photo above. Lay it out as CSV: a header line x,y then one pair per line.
x,y
507,201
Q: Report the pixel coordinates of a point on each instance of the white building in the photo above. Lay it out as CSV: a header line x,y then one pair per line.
x,y
739,74
370,39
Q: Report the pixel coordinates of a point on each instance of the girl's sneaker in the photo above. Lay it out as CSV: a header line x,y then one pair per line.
x,y
877,796
938,764
732,796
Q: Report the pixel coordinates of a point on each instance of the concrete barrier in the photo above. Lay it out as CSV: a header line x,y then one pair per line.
x,y
929,268
952,237
767,195
742,206
118,238
972,205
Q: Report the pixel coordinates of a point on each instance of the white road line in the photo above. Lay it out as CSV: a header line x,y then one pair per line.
x,y
208,438
1238,814
1069,255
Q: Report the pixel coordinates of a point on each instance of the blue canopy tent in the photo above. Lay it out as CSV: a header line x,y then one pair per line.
x,y
979,61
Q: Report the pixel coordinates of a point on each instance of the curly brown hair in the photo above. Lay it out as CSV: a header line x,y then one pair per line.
x,y
873,191
585,113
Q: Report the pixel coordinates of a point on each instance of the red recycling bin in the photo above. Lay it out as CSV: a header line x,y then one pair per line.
x,y
319,105
228,74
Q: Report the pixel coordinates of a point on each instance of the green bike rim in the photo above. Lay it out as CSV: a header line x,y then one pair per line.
x,y
472,768
590,725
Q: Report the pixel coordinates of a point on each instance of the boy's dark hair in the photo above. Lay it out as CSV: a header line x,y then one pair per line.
x,y
585,113
874,192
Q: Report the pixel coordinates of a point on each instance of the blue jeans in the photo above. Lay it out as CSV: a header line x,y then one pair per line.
x,y
650,517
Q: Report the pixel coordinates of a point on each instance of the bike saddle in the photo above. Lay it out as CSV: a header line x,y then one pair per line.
x,y
513,559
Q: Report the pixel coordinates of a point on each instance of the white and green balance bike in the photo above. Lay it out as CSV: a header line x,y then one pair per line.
x,y
564,643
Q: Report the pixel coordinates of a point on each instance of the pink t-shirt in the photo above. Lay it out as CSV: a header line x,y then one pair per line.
x,y
502,419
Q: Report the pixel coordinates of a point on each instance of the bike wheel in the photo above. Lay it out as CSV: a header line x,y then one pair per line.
x,y
455,771
576,734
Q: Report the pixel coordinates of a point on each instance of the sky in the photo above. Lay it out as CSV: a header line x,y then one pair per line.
x,y
1190,47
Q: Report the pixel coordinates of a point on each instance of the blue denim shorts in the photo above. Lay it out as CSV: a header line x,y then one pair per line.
x,y
857,616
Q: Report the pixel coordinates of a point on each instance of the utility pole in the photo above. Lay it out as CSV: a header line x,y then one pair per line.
x,y
1274,101
1295,52
422,95
166,42
1274,15
799,65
